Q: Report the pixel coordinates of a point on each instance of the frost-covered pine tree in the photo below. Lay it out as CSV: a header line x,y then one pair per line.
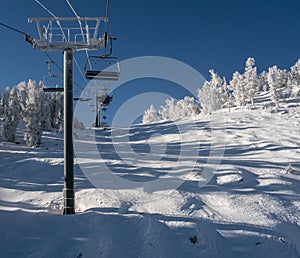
x,y
294,80
168,111
212,95
11,117
295,74
151,115
263,77
251,80
224,92
6,96
1,106
220,84
172,110
45,106
187,107
277,81
56,106
208,98
4,102
237,84
32,115
22,90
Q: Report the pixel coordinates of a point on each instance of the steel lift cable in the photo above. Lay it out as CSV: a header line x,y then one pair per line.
x,y
80,25
54,16
29,39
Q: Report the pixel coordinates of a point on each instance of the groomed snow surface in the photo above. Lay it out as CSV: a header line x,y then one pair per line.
x,y
250,207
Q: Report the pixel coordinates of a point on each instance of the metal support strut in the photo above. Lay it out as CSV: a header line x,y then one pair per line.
x,y
69,195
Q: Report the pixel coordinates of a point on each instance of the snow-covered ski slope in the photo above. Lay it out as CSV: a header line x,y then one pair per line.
x,y
250,207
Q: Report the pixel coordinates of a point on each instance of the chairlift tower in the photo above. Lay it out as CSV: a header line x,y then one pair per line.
x,y
65,35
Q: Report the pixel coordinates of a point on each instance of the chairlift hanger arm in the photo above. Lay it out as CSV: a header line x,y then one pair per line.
x,y
111,38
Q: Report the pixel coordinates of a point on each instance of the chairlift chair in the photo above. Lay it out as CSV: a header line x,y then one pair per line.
x,y
107,68
57,89
82,99
52,81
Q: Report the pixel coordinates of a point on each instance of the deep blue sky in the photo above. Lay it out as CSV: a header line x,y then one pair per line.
x,y
204,34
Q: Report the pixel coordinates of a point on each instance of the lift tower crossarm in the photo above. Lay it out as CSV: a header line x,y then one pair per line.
x,y
60,33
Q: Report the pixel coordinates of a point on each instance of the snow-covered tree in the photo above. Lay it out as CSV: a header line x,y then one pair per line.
x,y
263,77
224,91
293,84
1,105
151,115
208,98
186,107
6,96
11,117
245,85
45,106
251,80
212,95
172,110
22,90
277,81
56,106
168,111
295,74
33,115
238,87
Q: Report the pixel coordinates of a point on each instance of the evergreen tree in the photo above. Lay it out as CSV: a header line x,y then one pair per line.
x,y
22,90
224,92
168,112
295,74
45,106
151,116
293,83
264,81
186,107
1,106
245,85
238,86
11,117
251,80
56,109
212,95
33,115
6,96
277,81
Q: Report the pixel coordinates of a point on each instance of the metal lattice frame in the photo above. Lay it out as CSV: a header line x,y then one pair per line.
x,y
58,34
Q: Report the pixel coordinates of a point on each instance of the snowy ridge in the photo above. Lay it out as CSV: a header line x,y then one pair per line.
x,y
251,206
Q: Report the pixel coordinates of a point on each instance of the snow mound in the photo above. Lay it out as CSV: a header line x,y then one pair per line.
x,y
231,178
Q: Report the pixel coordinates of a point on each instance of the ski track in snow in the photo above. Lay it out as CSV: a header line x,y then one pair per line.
x,y
250,208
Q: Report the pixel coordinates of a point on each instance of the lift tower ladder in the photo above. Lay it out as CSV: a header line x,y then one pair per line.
x,y
64,34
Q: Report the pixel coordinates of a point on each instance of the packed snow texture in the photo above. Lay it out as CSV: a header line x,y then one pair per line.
x,y
250,208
